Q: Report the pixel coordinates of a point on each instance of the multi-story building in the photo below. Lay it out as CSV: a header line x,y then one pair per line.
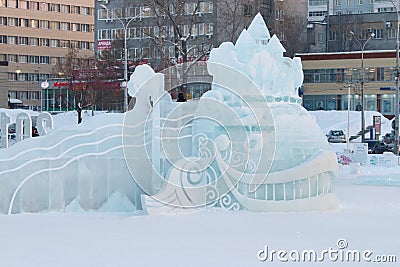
x,y
329,76
318,10
35,36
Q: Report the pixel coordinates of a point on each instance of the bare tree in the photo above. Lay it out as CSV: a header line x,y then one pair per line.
x,y
289,23
88,80
233,17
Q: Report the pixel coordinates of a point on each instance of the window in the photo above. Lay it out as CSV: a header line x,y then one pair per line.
x,y
208,28
201,29
44,42
44,60
12,40
321,37
44,6
279,14
332,35
74,44
85,10
65,26
33,5
12,3
190,8
317,2
12,76
34,41
206,7
146,11
23,41
33,77
23,59
378,33
53,60
22,94
34,59
54,43
54,7
338,2
76,27
85,27
185,30
12,22
3,20
248,10
13,58
133,33
392,33
75,9
3,39
195,29
24,23
44,24
117,33
54,25
65,9
133,53
34,23
103,34
102,14
360,2
146,52
147,32
84,45
349,2
317,13
64,43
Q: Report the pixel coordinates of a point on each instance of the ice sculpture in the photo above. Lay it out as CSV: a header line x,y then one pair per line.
x,y
246,144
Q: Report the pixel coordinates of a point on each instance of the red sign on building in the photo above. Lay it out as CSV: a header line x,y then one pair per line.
x,y
103,44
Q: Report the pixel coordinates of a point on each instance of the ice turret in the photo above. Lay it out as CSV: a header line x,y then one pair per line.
x,y
245,46
275,47
259,31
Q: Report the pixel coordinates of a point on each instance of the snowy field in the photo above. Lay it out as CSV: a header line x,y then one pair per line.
x,y
368,220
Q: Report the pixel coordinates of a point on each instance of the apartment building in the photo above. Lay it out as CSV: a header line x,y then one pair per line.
x,y
319,9
35,36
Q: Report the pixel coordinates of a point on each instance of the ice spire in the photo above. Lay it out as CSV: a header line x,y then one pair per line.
x,y
259,31
275,47
245,46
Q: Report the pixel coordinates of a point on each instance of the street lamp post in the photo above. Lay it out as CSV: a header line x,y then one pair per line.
x,y
396,106
125,28
362,46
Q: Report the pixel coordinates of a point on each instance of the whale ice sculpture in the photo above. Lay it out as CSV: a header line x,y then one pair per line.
x,y
246,144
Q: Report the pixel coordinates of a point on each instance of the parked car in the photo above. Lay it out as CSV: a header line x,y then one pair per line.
x,y
376,146
336,136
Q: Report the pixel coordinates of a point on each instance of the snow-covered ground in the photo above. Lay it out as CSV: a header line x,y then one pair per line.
x,y
368,219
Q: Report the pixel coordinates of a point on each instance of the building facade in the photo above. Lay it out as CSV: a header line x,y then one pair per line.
x,y
35,36
318,10
329,76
